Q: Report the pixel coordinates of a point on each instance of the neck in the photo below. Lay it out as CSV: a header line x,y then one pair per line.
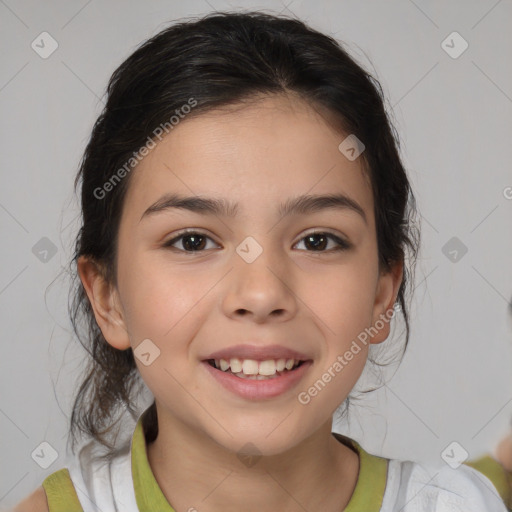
x,y
196,473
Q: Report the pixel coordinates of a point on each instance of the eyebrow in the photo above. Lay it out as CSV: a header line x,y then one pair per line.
x,y
300,205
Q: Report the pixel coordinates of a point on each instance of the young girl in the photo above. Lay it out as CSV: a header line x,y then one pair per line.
x,y
247,231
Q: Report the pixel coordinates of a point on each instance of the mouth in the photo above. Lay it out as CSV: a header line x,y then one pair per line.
x,y
253,369
255,372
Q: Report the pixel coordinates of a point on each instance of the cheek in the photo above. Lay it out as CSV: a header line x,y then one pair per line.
x,y
155,299
344,299
164,309
346,312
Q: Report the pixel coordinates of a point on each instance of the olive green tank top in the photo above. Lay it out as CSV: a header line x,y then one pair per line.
x,y
62,495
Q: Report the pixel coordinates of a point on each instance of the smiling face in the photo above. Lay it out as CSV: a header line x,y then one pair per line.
x,y
260,281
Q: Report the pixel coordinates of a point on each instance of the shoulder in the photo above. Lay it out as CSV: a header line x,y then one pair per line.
x,y
429,488
35,502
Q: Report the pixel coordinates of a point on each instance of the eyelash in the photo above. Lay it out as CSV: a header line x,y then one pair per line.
x,y
342,244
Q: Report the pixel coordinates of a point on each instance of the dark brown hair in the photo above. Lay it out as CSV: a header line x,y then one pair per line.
x,y
222,59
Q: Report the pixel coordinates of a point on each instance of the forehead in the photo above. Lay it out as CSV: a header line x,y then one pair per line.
x,y
273,148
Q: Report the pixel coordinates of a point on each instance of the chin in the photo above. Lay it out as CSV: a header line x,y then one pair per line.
x,y
260,440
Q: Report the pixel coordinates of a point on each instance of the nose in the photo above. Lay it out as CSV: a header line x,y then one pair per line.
x,y
261,291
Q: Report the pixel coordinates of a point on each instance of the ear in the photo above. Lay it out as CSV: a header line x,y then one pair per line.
x,y
387,290
105,303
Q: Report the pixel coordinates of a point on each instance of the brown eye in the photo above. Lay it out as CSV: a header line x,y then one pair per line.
x,y
318,242
191,241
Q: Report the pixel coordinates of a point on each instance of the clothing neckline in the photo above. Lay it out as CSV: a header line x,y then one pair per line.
x,y
367,496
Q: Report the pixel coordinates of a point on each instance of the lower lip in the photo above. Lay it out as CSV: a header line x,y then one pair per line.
x,y
258,389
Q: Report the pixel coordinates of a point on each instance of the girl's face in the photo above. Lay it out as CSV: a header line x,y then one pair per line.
x,y
253,282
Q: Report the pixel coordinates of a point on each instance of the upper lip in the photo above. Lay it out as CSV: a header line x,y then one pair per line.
x,y
258,353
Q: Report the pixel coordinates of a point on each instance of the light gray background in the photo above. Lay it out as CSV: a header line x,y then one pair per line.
x,y
454,119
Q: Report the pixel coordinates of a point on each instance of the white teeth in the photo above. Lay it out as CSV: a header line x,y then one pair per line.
x,y
250,368
267,367
235,365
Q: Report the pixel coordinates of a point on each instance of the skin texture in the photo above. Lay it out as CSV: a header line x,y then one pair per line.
x,y
35,502
190,304
503,452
